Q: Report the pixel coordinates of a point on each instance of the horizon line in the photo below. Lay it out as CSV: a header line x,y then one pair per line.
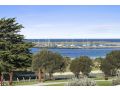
x,y
72,38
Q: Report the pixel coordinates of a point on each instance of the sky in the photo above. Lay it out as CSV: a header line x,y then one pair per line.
x,y
66,22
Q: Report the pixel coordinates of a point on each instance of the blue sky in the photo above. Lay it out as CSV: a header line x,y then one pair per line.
x,y
66,21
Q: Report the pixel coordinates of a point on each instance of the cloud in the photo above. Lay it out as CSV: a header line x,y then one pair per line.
x,y
46,30
43,25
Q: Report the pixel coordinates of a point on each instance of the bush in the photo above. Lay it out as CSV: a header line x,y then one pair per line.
x,y
81,82
116,80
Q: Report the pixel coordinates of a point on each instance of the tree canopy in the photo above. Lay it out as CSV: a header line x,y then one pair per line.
x,y
85,65
50,61
114,58
75,67
111,63
82,64
14,51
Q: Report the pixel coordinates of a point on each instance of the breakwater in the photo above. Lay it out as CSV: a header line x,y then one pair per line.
x,y
76,43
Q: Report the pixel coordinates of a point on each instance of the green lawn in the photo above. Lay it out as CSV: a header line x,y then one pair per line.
x,y
98,78
101,78
99,83
62,84
24,83
15,83
94,69
55,81
104,83
20,83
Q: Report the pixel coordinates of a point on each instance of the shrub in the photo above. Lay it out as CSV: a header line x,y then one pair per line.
x,y
116,80
81,82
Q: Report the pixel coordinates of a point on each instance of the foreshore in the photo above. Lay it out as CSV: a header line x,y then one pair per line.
x,y
77,45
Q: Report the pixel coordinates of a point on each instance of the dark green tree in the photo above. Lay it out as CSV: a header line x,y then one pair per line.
x,y
75,67
48,62
1,71
111,63
39,63
13,49
67,62
85,65
107,68
56,64
114,58
82,64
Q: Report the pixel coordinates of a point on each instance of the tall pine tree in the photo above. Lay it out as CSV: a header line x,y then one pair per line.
x,y
14,51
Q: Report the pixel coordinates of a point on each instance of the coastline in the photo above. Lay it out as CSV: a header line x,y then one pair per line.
x,y
77,48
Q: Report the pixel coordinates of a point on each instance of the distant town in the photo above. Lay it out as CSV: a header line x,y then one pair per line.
x,y
47,43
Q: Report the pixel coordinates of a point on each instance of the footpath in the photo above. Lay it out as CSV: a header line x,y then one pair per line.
x,y
53,83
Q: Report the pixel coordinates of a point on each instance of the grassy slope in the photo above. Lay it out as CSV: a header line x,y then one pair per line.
x,y
99,83
104,83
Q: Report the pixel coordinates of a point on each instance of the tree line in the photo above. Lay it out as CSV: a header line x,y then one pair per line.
x,y
15,55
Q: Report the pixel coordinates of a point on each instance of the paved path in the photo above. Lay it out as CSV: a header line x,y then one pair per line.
x,y
50,83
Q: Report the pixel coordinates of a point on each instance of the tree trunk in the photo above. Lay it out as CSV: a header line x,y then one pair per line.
x,y
10,78
43,75
106,77
77,75
1,79
39,75
50,76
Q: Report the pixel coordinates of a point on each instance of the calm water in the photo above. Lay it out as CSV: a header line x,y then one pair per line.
x,y
80,52
76,40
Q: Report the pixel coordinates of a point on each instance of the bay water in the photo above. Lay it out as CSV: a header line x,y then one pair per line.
x,y
73,53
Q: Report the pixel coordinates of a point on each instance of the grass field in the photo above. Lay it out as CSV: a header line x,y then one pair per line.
x,y
56,81
24,83
62,84
99,83
104,83
20,83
